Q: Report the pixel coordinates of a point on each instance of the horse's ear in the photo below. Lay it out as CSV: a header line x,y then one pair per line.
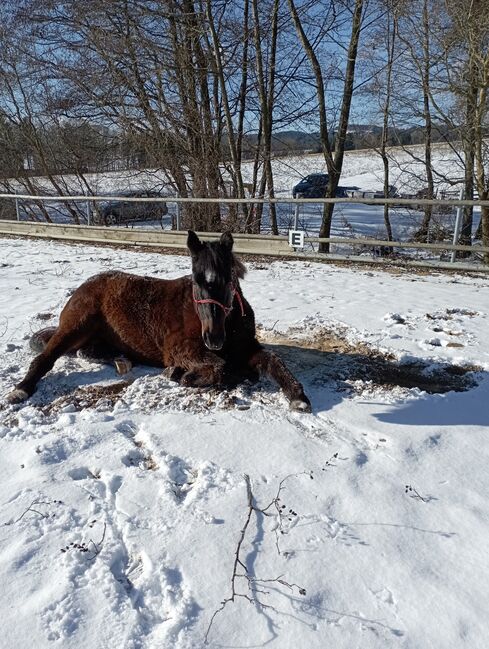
x,y
194,244
227,240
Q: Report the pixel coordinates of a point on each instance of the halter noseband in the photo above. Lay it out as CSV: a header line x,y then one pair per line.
x,y
227,309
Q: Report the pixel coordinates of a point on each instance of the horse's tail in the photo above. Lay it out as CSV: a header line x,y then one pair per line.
x,y
40,339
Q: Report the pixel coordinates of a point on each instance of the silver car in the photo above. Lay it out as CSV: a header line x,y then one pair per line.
x,y
122,211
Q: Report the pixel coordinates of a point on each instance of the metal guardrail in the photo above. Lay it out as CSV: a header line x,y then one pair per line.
x,y
244,243
247,244
267,245
455,202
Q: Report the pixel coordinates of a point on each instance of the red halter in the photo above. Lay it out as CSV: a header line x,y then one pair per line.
x,y
227,309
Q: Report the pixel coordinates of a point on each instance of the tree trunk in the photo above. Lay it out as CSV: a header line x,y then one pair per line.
x,y
485,231
470,150
266,99
391,42
233,144
423,231
334,163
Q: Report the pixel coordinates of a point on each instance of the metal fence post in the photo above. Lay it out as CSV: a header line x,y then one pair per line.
x,y
178,212
296,213
458,226
17,208
89,212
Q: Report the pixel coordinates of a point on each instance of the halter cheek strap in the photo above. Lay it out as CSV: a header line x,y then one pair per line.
x,y
227,309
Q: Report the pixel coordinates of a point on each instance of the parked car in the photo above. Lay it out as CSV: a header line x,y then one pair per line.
x,y
345,191
312,186
316,185
122,211
356,192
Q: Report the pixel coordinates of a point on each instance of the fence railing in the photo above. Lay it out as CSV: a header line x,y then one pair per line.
x,y
280,247
455,202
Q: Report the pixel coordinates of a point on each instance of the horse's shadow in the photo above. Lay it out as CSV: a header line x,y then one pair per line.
x,y
72,382
457,409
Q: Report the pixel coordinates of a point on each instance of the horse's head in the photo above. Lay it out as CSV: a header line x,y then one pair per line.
x,y
215,271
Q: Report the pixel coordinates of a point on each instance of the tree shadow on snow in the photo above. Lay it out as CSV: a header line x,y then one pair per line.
x,y
453,409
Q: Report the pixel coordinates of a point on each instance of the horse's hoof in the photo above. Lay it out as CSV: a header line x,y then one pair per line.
x,y
122,365
17,396
40,339
300,405
196,380
190,379
173,373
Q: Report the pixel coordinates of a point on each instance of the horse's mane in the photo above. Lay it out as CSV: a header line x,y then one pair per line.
x,y
238,267
219,256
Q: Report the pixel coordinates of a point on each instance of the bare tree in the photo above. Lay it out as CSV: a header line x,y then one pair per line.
x,y
417,60
385,91
266,91
333,158
145,69
471,29
234,136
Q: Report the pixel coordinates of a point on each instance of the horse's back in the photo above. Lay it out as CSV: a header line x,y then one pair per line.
x,y
131,312
114,289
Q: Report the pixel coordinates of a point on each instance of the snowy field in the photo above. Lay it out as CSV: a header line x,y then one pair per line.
x,y
123,502
362,168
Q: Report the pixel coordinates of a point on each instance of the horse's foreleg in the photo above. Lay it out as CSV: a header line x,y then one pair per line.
x,y
209,371
193,367
268,363
58,345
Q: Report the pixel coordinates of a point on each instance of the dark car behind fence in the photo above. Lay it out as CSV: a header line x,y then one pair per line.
x,y
121,211
316,186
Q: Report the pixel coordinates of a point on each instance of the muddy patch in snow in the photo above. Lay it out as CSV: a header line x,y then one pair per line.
x,y
328,356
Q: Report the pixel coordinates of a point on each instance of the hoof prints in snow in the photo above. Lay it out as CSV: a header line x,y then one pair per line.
x,y
139,459
180,475
84,473
449,326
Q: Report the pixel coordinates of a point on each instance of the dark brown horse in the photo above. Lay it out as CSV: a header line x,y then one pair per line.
x,y
199,327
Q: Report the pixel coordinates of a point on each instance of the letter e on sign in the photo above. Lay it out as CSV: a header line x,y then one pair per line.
x,y
296,238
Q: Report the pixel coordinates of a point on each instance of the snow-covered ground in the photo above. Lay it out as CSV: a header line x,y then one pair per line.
x,y
362,168
122,504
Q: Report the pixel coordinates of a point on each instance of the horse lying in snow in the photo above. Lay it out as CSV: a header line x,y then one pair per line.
x,y
199,327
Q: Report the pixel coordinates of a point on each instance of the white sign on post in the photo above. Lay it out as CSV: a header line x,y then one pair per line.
x,y
296,238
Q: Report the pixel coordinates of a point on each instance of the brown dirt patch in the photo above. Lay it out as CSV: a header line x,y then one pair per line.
x,y
329,356
88,397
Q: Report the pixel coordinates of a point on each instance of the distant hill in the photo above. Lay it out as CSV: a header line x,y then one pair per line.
x,y
359,136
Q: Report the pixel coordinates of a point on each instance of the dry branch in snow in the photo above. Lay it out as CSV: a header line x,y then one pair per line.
x,y
254,584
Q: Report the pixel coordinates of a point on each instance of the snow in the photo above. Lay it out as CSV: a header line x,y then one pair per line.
x,y
121,507
362,168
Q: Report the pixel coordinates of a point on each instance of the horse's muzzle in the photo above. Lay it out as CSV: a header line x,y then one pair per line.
x,y
214,342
